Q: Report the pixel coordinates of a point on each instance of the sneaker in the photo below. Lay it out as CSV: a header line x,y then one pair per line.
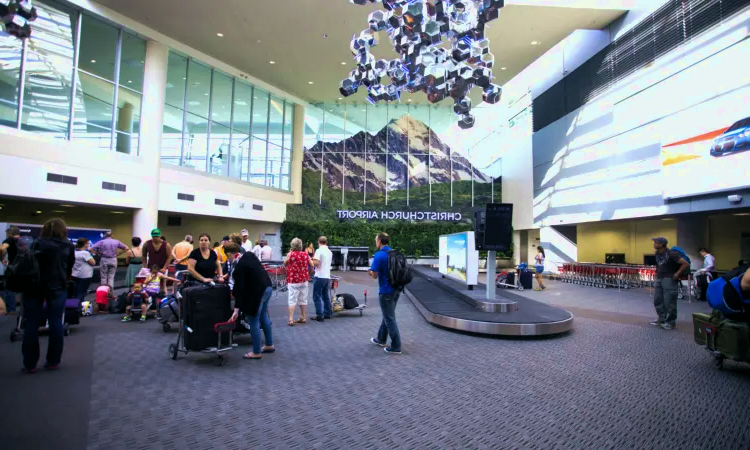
x,y
537,289
388,350
656,323
667,326
126,319
376,342
49,366
143,317
29,371
328,317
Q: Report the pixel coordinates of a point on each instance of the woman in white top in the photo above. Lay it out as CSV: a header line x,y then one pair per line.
x,y
539,258
83,269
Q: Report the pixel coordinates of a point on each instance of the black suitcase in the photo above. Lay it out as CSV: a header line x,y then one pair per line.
x,y
526,278
203,307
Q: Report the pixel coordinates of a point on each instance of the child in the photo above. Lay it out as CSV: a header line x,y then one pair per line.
x,y
137,297
153,284
103,296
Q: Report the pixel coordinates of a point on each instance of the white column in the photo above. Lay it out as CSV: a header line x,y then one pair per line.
x,y
152,117
297,152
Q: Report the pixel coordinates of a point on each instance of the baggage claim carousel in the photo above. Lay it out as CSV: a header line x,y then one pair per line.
x,y
450,304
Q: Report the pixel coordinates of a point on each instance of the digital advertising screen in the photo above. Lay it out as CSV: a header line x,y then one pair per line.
x,y
443,259
706,148
92,234
498,232
458,258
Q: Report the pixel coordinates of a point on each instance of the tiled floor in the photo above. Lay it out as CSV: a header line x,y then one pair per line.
x,y
608,384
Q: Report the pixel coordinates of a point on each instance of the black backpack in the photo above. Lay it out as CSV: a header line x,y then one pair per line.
x,y
399,272
23,272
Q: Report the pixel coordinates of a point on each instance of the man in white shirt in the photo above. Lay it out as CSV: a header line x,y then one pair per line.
x,y
706,274
266,252
247,244
321,291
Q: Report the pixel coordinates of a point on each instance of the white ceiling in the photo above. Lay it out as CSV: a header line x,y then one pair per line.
x,y
309,39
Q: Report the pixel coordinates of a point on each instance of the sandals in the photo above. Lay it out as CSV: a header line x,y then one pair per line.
x,y
301,320
290,323
268,350
247,356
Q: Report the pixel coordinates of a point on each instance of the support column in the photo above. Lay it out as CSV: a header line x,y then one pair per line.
x,y
692,234
124,128
152,117
298,139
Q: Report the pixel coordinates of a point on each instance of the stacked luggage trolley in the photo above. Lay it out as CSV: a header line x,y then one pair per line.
x,y
277,272
620,276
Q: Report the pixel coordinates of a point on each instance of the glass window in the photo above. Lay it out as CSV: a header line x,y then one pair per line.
x,y
49,72
221,99
273,175
98,48
199,88
243,95
314,126
377,125
276,120
171,138
418,128
218,150
286,165
260,114
93,114
176,76
10,73
196,143
257,172
288,125
132,61
128,121
240,156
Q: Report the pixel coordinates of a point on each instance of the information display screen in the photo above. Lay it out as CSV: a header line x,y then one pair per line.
x,y
498,230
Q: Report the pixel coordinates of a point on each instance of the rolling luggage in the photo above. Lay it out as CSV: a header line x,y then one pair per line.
x,y
169,310
203,307
526,279
118,305
724,338
72,311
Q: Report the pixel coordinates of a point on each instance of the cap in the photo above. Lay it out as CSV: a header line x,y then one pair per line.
x,y
156,232
660,240
225,238
244,232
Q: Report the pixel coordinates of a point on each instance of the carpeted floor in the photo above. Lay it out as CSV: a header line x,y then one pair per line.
x,y
605,385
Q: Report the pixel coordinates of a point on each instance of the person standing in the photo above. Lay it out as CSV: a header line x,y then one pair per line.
x,y
266,252
297,264
252,292
387,296
311,253
706,274
180,253
9,248
256,249
247,244
109,249
670,265
203,262
134,261
156,252
83,268
539,268
56,257
237,239
321,286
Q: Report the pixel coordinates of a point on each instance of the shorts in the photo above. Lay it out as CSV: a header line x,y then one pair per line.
x,y
138,301
297,294
539,269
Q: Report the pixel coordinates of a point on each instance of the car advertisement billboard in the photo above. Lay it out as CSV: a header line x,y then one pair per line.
x,y
458,257
706,148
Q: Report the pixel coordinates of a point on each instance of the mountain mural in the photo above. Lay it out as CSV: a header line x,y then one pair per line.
x,y
362,158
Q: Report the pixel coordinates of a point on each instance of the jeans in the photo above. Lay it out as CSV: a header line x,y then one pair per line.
x,y
10,300
389,326
665,300
107,269
261,320
81,287
322,298
32,310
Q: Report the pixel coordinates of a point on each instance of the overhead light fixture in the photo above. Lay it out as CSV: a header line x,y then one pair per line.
x,y
184,78
325,35
502,68
117,212
534,42
93,61
258,41
59,212
271,62
68,206
130,81
341,98
38,212
220,34
343,63
409,100
309,82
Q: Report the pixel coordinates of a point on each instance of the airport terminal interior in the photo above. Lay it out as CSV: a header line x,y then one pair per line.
x,y
381,224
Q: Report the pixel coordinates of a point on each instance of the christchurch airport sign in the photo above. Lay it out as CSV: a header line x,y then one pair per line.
x,y
401,215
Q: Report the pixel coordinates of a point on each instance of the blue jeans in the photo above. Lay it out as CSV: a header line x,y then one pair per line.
x,y
261,320
389,326
32,310
10,301
322,298
81,287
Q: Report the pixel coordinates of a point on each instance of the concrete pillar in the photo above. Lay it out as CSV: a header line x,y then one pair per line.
x,y
559,248
124,128
152,116
692,234
297,152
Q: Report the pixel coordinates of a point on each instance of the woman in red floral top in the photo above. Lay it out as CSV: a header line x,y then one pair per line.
x,y
298,265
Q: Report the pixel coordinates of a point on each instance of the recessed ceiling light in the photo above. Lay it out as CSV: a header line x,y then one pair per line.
x,y
67,206
409,100
220,34
184,78
343,63
258,41
325,35
534,42
130,81
341,98
59,212
309,82
38,212
117,212
206,93
93,61
502,68
364,110
271,62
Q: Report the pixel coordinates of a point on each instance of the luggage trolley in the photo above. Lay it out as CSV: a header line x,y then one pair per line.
x,y
501,280
219,329
333,285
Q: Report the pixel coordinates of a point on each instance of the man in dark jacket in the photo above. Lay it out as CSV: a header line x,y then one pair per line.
x,y
669,268
252,292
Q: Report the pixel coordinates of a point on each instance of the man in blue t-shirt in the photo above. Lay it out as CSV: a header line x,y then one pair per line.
x,y
387,295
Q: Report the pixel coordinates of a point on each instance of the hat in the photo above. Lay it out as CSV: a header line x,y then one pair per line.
x,y
244,232
660,240
225,238
156,232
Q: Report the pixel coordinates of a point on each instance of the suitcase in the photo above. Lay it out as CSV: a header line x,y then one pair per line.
x,y
729,338
203,307
350,301
169,310
72,311
526,278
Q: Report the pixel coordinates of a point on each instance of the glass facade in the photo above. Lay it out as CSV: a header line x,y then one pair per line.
x,y
76,78
219,124
391,157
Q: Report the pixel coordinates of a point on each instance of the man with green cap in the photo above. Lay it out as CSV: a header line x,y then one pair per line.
x,y
156,252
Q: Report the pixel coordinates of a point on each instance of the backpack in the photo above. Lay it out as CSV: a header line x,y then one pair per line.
x,y
399,273
682,254
23,272
348,301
